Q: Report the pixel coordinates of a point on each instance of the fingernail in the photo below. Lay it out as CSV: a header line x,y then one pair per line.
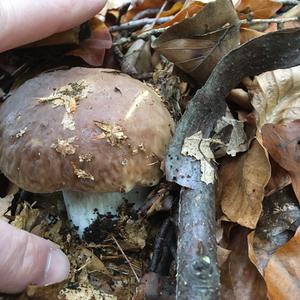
x,y
57,267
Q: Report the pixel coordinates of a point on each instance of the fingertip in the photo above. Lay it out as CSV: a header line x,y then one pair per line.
x,y
57,268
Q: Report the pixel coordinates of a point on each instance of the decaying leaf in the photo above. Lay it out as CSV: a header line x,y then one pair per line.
x,y
113,133
68,121
137,60
67,95
261,9
279,220
64,147
140,6
27,218
189,9
279,178
134,234
241,185
92,49
248,34
231,136
199,148
196,44
239,277
82,174
5,204
87,292
276,96
282,274
282,142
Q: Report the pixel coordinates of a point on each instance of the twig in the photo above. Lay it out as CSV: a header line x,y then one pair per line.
x,y
158,244
288,2
147,34
138,23
274,20
126,258
144,36
160,11
145,13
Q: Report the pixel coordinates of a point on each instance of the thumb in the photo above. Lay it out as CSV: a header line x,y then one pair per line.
x,y
23,22
28,259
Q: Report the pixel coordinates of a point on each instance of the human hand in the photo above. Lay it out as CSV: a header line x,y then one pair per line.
x,y
26,258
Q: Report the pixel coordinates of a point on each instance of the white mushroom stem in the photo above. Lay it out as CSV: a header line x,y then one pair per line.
x,y
83,207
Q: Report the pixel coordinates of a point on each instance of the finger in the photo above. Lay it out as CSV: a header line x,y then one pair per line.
x,y
22,22
28,259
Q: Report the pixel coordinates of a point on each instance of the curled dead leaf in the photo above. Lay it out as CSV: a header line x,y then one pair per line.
x,y
281,213
92,49
261,9
276,96
282,274
196,44
241,185
282,142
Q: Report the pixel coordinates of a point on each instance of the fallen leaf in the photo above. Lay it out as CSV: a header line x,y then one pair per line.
x,y
196,44
5,204
92,49
282,142
248,34
176,7
241,185
261,9
140,6
199,148
282,274
186,12
279,178
239,277
275,96
137,59
279,220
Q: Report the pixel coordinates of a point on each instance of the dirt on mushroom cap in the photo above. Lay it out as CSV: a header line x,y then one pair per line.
x,y
126,153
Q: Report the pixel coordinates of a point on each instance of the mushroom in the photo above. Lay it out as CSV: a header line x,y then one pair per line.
x,y
95,134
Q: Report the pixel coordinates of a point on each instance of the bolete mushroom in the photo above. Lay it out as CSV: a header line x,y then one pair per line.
x,y
95,134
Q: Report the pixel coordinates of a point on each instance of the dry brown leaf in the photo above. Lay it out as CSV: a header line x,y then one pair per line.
x,y
261,9
137,59
282,142
5,204
176,7
92,49
140,6
282,274
186,12
241,185
279,220
196,44
276,96
279,178
239,277
248,34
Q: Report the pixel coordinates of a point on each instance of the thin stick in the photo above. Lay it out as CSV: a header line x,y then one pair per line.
x,y
274,20
144,36
288,2
126,258
147,34
157,16
138,23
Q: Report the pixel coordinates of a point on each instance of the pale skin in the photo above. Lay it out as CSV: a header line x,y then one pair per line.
x,y
25,258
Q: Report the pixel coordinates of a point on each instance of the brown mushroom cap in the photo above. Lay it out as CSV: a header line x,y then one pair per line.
x,y
84,130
